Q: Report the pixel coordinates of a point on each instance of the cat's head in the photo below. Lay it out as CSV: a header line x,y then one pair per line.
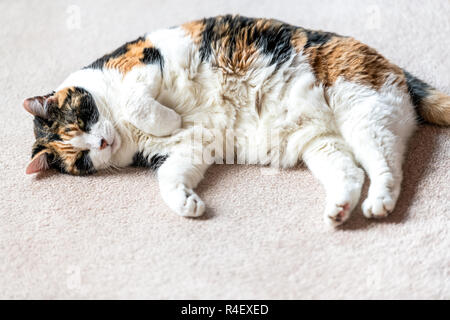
x,y
71,134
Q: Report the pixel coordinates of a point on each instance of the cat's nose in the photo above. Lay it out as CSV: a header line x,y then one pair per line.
x,y
103,144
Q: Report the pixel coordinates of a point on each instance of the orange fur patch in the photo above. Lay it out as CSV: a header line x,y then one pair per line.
x,y
244,54
131,58
194,29
350,59
69,131
67,153
436,108
299,39
61,96
262,25
242,58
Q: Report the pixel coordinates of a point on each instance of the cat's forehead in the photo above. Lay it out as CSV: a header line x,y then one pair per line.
x,y
71,98
69,109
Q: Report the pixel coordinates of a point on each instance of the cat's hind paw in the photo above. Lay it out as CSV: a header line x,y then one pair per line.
x,y
337,214
379,206
339,207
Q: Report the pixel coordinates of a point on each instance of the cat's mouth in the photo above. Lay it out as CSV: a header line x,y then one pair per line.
x,y
110,138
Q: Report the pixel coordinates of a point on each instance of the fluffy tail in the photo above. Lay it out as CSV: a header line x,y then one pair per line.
x,y
432,105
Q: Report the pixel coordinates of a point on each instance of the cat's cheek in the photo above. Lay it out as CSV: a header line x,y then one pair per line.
x,y
101,158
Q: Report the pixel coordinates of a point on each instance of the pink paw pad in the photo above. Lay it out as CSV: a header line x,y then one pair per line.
x,y
341,215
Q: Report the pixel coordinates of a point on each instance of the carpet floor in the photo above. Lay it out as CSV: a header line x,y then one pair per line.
x,y
111,235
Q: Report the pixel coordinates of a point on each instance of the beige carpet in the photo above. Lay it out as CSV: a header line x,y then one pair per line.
x,y
111,236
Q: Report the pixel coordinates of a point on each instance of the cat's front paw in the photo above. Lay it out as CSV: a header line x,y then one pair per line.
x,y
185,202
193,206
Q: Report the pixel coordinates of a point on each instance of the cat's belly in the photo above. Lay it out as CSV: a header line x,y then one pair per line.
x,y
264,120
276,122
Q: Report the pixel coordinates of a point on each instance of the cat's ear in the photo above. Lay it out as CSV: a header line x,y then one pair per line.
x,y
37,106
38,163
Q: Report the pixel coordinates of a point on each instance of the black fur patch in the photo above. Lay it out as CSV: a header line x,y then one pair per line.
x,y
153,55
87,109
208,37
42,130
417,89
276,42
36,149
99,63
139,160
84,163
273,41
56,163
318,38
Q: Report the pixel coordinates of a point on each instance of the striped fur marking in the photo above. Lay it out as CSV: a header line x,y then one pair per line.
x,y
134,53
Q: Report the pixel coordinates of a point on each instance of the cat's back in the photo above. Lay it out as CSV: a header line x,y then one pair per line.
x,y
239,63
245,68
233,43
248,74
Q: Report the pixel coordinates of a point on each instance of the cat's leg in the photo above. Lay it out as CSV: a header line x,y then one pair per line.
x,y
178,176
377,132
331,162
140,108
150,116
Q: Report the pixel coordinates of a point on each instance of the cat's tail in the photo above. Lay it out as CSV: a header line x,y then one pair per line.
x,y
431,104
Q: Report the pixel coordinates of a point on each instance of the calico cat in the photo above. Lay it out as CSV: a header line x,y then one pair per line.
x,y
236,89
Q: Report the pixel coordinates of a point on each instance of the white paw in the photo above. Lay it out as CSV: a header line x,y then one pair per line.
x,y
341,203
193,206
337,214
185,202
378,206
